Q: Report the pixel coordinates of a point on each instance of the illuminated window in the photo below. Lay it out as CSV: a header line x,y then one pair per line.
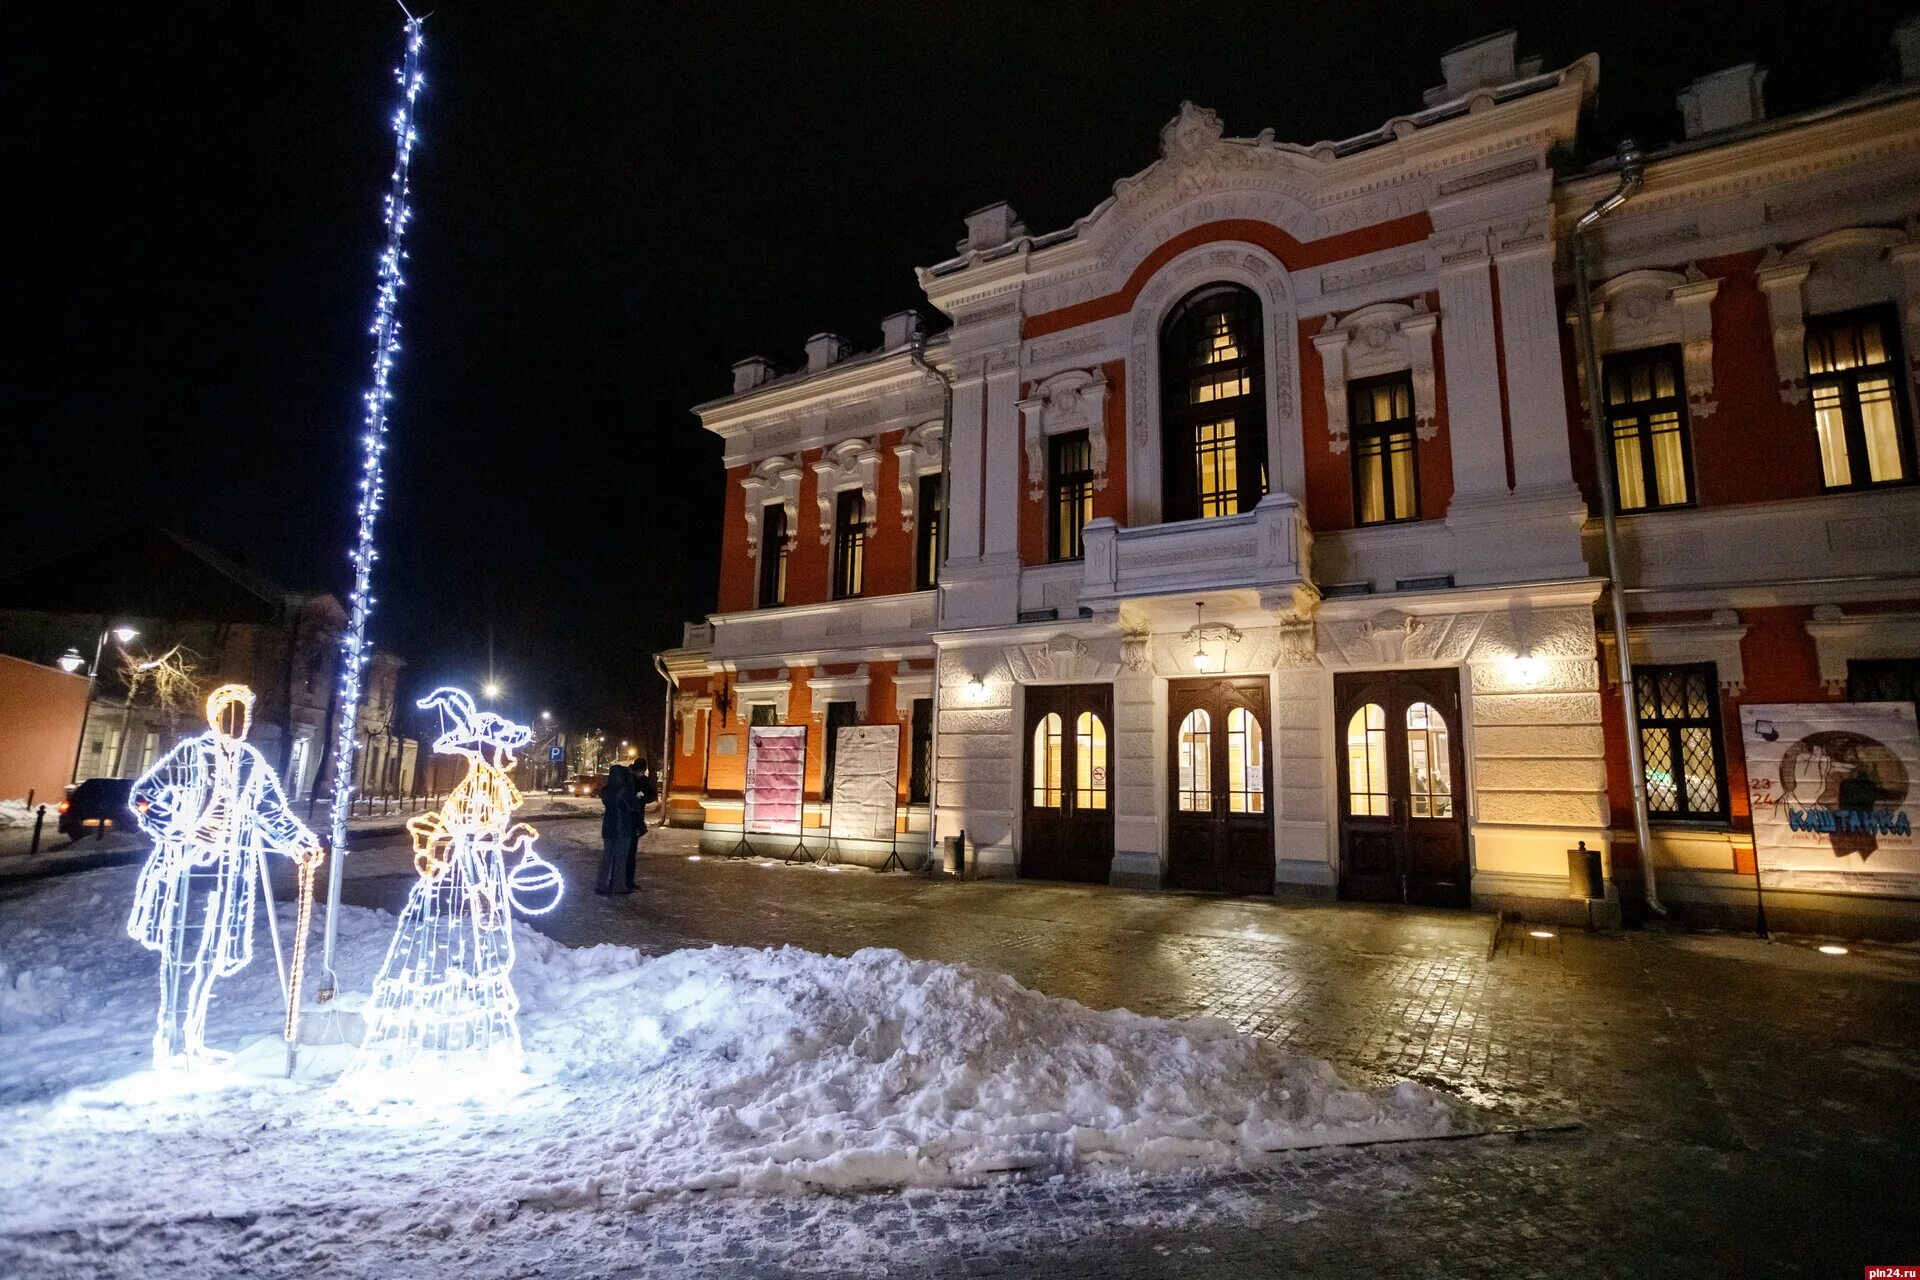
x,y
1090,762
1429,767
1386,487
1647,422
1680,742
773,555
1246,763
1214,448
1069,494
1853,371
1047,749
1195,754
926,552
849,544
1367,762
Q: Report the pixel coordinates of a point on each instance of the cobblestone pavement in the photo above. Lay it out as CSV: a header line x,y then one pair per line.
x,y
1742,1109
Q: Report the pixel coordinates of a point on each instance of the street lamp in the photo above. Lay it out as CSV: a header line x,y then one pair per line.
x,y
125,635
491,689
71,661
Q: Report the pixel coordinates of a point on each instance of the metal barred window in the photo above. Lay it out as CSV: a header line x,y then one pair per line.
x,y
1680,741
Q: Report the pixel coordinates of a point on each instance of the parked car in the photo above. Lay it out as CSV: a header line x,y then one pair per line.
x,y
95,805
586,784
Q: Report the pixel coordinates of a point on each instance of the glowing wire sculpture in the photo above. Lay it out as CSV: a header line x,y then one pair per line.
x,y
445,996
214,808
373,443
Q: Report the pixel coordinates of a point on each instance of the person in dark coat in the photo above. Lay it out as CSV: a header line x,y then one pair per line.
x,y
617,836
644,794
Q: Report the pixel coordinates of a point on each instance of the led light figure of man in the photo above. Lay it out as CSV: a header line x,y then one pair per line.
x,y
445,995
214,808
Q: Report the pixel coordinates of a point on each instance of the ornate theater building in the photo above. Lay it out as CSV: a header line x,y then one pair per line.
x,y
1247,535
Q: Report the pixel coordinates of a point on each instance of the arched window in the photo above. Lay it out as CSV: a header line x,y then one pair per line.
x,y
1089,762
1213,449
1196,763
1047,750
1367,762
1246,763
1429,773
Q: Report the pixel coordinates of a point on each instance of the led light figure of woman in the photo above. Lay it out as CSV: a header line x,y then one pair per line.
x,y
214,808
445,995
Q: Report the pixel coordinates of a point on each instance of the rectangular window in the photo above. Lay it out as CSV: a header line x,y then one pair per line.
x,y
1216,468
1069,494
839,715
1883,680
1647,423
1854,373
773,555
849,544
1386,486
920,755
926,551
762,714
1680,742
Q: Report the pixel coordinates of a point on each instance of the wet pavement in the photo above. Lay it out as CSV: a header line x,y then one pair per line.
x,y
1679,1105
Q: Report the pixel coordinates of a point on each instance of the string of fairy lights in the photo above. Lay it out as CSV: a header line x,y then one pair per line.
x,y
373,443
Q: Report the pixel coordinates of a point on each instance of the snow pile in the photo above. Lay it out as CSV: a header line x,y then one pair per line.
x,y
17,813
726,1069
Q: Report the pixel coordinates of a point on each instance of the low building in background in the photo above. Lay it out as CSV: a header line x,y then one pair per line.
x,y
1244,535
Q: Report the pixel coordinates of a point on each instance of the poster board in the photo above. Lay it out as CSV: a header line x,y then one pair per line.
x,y
776,778
1832,788
866,782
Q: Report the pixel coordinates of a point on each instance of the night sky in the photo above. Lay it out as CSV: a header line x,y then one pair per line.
x,y
613,203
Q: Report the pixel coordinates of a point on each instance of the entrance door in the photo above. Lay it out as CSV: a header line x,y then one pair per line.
x,y
1220,823
1403,822
1067,804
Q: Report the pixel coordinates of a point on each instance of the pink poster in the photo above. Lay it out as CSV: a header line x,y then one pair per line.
x,y
776,778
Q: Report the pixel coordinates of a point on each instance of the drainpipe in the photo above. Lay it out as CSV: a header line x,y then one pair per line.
x,y
1631,174
663,767
917,352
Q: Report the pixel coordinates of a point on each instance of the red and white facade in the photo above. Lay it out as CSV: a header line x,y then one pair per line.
x,y
1270,478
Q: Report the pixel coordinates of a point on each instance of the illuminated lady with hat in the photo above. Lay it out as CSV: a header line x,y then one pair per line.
x,y
444,996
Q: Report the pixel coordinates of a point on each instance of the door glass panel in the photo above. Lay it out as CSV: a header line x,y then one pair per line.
x,y
1246,763
1367,762
1429,767
1046,762
1090,762
1196,763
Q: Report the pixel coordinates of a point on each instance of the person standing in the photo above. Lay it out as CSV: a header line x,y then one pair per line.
x,y
644,794
620,799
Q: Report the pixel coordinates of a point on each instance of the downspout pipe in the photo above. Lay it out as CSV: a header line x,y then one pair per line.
x,y
663,770
1632,173
917,352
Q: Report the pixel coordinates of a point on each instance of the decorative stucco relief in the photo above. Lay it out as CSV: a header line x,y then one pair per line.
x,y
774,480
1075,400
848,465
919,455
1063,657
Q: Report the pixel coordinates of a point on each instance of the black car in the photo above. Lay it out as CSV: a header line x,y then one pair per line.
x,y
95,805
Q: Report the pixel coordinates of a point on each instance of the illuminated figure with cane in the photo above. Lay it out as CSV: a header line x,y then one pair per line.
x,y
214,809
445,995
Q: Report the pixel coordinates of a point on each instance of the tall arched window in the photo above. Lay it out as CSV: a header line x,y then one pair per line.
x,y
1367,793
1213,448
1048,753
1090,762
1196,763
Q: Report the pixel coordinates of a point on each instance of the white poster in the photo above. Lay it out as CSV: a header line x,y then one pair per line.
x,y
776,778
866,782
1831,786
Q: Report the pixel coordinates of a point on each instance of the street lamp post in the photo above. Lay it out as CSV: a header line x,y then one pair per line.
x,y
125,635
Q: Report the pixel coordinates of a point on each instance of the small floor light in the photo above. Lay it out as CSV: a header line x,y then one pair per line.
x,y
1832,949
1540,933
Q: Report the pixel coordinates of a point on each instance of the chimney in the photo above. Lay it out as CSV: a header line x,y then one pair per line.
x,y
1477,64
750,373
825,349
897,330
1906,48
993,226
1724,99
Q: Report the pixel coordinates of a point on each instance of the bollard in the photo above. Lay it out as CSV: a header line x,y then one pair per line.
x,y
39,821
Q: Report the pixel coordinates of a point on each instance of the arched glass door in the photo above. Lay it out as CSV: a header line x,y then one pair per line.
x,y
1403,831
1220,825
1067,798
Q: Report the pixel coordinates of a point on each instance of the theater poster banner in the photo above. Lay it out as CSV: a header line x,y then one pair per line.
x,y
1832,785
776,778
866,782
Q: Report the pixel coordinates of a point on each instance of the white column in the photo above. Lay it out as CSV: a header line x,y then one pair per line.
x,y
1473,378
963,477
1536,388
1002,477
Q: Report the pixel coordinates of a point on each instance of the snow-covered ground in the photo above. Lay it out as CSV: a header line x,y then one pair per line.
x,y
726,1070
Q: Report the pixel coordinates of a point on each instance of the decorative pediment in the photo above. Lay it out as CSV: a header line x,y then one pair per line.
x,y
919,455
1384,338
773,480
851,464
774,691
1852,267
1062,657
1071,401
851,687
1654,309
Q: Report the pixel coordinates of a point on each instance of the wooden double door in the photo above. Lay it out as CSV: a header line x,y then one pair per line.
x,y
1067,785
1402,793
1219,785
